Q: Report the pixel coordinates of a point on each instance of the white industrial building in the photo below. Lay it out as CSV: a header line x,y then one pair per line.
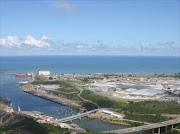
x,y
112,113
46,73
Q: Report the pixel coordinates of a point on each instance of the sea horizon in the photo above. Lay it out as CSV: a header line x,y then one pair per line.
x,y
91,64
93,55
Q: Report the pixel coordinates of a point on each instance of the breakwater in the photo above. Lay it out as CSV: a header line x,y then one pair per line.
x,y
8,73
55,99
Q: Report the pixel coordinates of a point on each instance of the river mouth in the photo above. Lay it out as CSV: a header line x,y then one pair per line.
x,y
27,102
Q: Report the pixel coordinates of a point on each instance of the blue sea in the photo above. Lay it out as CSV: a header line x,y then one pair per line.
x,y
74,64
91,64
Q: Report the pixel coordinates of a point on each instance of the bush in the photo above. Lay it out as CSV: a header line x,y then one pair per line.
x,y
34,127
101,100
147,118
153,107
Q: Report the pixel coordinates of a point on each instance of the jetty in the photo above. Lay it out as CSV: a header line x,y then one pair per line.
x,y
8,73
158,126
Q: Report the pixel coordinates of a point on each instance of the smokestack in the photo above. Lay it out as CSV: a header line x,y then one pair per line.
x,y
38,71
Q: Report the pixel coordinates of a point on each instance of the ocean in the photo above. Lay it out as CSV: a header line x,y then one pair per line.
x,y
91,64
74,64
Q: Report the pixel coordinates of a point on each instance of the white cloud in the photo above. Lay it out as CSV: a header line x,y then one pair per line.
x,y
10,41
62,42
175,47
167,43
2,42
44,37
145,46
83,46
46,45
65,6
73,46
13,41
38,43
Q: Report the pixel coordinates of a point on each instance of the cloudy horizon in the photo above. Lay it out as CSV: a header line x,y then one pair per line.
x,y
149,28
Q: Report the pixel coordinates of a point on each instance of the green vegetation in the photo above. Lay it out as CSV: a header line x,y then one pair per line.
x,y
142,107
164,75
174,132
101,100
1,106
153,107
86,80
134,110
47,82
89,132
34,127
147,118
89,106
134,124
72,96
40,78
178,126
66,90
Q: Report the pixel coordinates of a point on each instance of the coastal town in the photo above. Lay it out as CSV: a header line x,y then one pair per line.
x,y
89,67
126,86
71,90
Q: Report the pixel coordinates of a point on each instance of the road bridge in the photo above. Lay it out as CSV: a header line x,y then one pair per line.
x,y
78,116
153,126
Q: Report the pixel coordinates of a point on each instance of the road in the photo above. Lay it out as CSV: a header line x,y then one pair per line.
x,y
145,127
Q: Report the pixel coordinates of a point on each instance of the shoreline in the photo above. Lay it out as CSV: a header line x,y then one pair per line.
x,y
54,99
101,73
112,122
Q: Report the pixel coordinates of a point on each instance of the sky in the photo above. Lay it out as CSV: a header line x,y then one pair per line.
x,y
90,27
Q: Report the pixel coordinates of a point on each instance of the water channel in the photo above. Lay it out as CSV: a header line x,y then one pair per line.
x,y
27,102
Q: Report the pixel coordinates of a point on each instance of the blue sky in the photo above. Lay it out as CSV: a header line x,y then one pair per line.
x,y
90,27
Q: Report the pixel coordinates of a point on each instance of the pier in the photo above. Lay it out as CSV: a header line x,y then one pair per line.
x,y
152,127
78,116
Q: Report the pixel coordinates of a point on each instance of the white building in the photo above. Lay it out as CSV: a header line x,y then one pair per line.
x,y
141,79
43,72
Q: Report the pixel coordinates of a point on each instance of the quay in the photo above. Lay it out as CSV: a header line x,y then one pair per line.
x,y
78,116
152,127
55,99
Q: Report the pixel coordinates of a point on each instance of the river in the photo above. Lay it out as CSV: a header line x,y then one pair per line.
x,y
27,102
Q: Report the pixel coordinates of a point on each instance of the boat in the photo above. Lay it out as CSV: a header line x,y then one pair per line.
x,y
23,75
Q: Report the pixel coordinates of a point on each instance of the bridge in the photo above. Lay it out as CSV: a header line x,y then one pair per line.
x,y
78,116
152,127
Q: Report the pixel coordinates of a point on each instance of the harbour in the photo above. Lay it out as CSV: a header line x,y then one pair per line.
x,y
90,67
28,102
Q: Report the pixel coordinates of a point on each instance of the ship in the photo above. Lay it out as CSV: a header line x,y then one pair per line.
x,y
23,75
